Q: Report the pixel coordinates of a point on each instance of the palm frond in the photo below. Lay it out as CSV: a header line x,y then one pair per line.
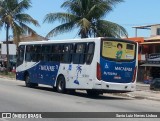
x,y
62,17
1,2
113,2
74,6
27,28
86,13
98,10
107,28
25,18
67,4
17,32
11,11
71,5
20,7
2,9
66,27
1,24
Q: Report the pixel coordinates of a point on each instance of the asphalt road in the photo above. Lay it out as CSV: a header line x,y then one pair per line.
x,y
15,97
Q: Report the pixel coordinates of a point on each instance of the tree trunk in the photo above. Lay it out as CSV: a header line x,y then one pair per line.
x,y
7,47
83,34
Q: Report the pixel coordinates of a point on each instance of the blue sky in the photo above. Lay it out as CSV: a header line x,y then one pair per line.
x,y
129,13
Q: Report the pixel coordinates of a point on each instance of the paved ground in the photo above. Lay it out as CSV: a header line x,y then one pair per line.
x,y
15,97
143,91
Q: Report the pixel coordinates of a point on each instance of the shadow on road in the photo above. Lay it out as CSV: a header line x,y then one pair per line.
x,y
82,93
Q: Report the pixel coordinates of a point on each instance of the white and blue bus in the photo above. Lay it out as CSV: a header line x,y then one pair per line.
x,y
96,65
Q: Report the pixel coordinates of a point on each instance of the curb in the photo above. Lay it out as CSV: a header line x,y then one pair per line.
x,y
137,96
4,77
152,98
142,85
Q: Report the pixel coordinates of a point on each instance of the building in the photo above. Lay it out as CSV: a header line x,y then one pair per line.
x,y
33,37
3,53
27,38
139,40
149,53
12,47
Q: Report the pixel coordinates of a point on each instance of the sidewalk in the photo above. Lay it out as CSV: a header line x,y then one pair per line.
x,y
142,86
143,92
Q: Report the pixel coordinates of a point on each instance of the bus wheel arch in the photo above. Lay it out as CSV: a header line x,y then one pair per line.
x,y
61,84
28,83
27,79
25,75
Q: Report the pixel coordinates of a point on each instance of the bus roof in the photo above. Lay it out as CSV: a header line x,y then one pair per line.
x,y
61,41
72,40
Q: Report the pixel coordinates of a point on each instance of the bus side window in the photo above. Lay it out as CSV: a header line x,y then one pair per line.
x,y
28,55
56,53
79,55
67,55
36,53
20,58
46,49
90,53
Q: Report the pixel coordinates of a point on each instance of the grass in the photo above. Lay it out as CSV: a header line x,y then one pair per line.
x,y
9,75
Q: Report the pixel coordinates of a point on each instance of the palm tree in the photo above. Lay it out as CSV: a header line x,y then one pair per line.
x,y
87,16
12,17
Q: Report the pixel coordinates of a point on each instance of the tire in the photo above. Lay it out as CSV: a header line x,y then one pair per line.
x,y
61,84
28,82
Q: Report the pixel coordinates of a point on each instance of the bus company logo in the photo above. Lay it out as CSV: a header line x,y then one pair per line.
x,y
47,68
123,69
21,115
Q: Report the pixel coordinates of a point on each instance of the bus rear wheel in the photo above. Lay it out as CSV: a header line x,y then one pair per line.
x,y
28,82
61,85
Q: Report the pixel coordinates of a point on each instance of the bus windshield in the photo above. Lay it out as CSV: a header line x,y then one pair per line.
x,y
118,50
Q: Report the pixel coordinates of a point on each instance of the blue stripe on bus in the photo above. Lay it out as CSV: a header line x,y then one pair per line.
x,y
20,75
42,73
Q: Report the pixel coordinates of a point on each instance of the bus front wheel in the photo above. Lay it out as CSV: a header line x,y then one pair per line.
x,y
28,82
61,85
